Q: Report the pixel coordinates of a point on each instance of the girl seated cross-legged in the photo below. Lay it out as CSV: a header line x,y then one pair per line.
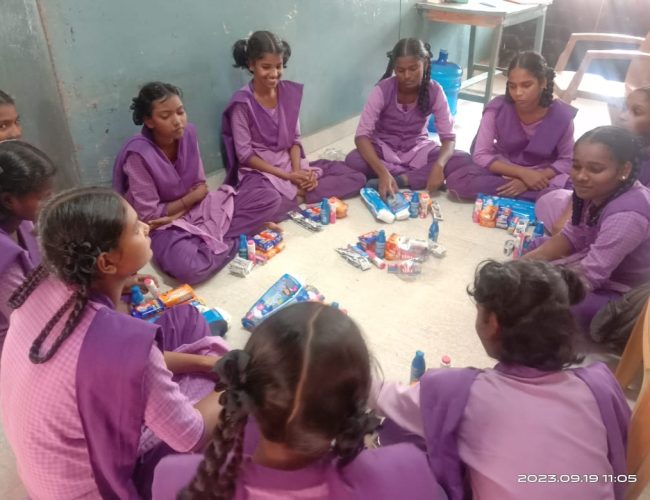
x,y
194,231
261,133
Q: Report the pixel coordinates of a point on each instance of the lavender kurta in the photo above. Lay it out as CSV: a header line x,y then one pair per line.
x,y
480,427
614,255
249,129
92,430
17,259
502,136
197,245
399,471
399,133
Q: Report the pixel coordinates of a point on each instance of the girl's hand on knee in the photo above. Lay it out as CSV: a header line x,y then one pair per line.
x,y
512,189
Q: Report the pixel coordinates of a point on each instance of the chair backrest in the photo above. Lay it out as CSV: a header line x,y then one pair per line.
x,y
638,441
638,73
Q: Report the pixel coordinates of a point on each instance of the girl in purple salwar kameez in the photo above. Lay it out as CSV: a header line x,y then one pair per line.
x,y
530,427
261,133
392,138
26,176
293,427
608,239
91,397
525,140
160,172
554,208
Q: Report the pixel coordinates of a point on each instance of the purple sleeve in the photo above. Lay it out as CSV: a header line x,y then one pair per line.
x,y
485,152
168,413
241,133
565,152
201,175
619,235
370,113
400,403
442,115
142,192
12,278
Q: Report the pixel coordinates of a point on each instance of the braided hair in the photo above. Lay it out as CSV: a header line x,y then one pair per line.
x,y
624,147
74,228
247,51
536,65
531,300
142,104
284,379
24,169
413,47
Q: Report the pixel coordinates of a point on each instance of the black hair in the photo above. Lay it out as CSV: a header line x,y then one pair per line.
x,y
531,300
6,99
142,104
23,169
416,48
74,228
285,379
247,51
536,65
624,147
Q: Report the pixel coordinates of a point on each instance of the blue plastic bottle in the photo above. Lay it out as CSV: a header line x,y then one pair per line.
x,y
539,230
380,245
243,246
434,230
414,206
449,76
136,295
325,212
418,366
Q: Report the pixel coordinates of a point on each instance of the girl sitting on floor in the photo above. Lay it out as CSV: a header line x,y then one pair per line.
x,y
392,138
26,177
524,143
292,427
83,386
194,231
530,427
261,133
608,239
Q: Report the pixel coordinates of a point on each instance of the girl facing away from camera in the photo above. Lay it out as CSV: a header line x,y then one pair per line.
x,y
520,429
291,427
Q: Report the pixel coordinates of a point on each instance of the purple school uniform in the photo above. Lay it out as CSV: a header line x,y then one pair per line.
x,y
611,263
248,129
17,259
537,145
399,471
197,245
87,405
444,396
399,134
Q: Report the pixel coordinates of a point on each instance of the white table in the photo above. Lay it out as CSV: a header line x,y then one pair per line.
x,y
496,14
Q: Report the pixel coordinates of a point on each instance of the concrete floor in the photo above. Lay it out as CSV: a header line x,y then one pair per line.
x,y
431,313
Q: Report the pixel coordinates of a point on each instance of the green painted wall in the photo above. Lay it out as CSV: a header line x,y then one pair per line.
x,y
101,52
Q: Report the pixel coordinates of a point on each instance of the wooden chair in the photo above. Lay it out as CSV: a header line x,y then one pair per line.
x,y
637,353
572,84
